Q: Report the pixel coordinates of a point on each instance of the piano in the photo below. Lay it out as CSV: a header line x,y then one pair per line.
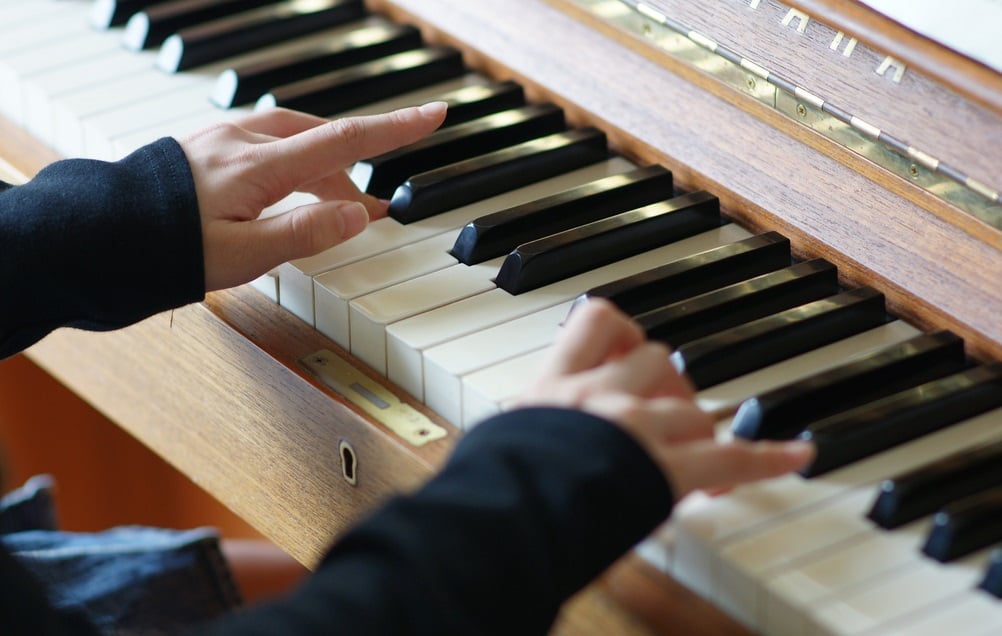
x,y
865,149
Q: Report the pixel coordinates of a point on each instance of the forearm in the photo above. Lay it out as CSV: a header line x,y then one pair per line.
x,y
532,506
98,245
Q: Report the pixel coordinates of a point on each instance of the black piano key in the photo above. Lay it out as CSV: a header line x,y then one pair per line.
x,y
477,100
251,30
992,583
966,526
498,233
614,238
151,26
714,311
757,344
244,84
338,91
109,13
380,176
870,428
694,275
784,411
926,489
461,183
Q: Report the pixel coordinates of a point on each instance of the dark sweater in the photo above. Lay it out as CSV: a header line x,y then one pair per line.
x,y
532,505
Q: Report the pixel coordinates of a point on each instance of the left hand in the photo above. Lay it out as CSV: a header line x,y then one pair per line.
x,y
243,167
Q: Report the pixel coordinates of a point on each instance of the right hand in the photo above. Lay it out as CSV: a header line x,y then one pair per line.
x,y
602,364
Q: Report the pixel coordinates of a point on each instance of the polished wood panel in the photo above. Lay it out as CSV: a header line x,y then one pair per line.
x,y
968,77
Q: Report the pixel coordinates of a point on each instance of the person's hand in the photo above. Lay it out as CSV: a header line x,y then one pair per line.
x,y
602,364
243,167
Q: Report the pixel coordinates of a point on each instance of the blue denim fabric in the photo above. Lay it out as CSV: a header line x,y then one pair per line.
x,y
127,580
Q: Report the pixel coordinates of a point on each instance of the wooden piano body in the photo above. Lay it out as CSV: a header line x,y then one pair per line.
x,y
217,389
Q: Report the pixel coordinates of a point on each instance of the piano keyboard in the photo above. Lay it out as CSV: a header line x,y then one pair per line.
x,y
792,556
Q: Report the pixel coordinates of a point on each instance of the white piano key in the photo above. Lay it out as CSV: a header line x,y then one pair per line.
x,y
383,235
18,13
446,364
408,339
26,47
177,128
334,290
19,68
486,390
904,592
792,594
267,284
101,129
71,111
371,313
37,24
745,562
974,613
45,88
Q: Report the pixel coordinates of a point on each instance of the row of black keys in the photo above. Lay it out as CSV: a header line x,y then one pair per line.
x,y
726,312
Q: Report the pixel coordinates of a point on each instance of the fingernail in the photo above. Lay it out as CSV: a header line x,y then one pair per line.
x,y
354,218
433,109
800,450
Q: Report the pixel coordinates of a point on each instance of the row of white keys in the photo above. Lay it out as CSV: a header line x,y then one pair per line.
x,y
447,364
730,548
384,235
43,45
924,584
409,340
972,613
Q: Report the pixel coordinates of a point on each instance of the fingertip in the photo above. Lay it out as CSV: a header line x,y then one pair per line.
x,y
800,453
354,219
379,210
434,110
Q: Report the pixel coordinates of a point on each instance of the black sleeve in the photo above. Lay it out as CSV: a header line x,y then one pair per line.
x,y
98,245
532,506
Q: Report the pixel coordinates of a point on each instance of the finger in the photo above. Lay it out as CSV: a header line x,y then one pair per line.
x,y
681,421
645,371
712,465
655,423
322,150
310,229
339,186
279,122
248,247
592,334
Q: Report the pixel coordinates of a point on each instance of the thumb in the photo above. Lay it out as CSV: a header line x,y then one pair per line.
x,y
310,229
236,252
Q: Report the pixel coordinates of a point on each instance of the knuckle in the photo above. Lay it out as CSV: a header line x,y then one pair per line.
x,y
349,131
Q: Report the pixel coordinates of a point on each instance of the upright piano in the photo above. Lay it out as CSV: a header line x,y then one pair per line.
x,y
859,150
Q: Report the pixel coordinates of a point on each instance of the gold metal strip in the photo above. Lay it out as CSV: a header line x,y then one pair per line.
x,y
372,398
751,78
